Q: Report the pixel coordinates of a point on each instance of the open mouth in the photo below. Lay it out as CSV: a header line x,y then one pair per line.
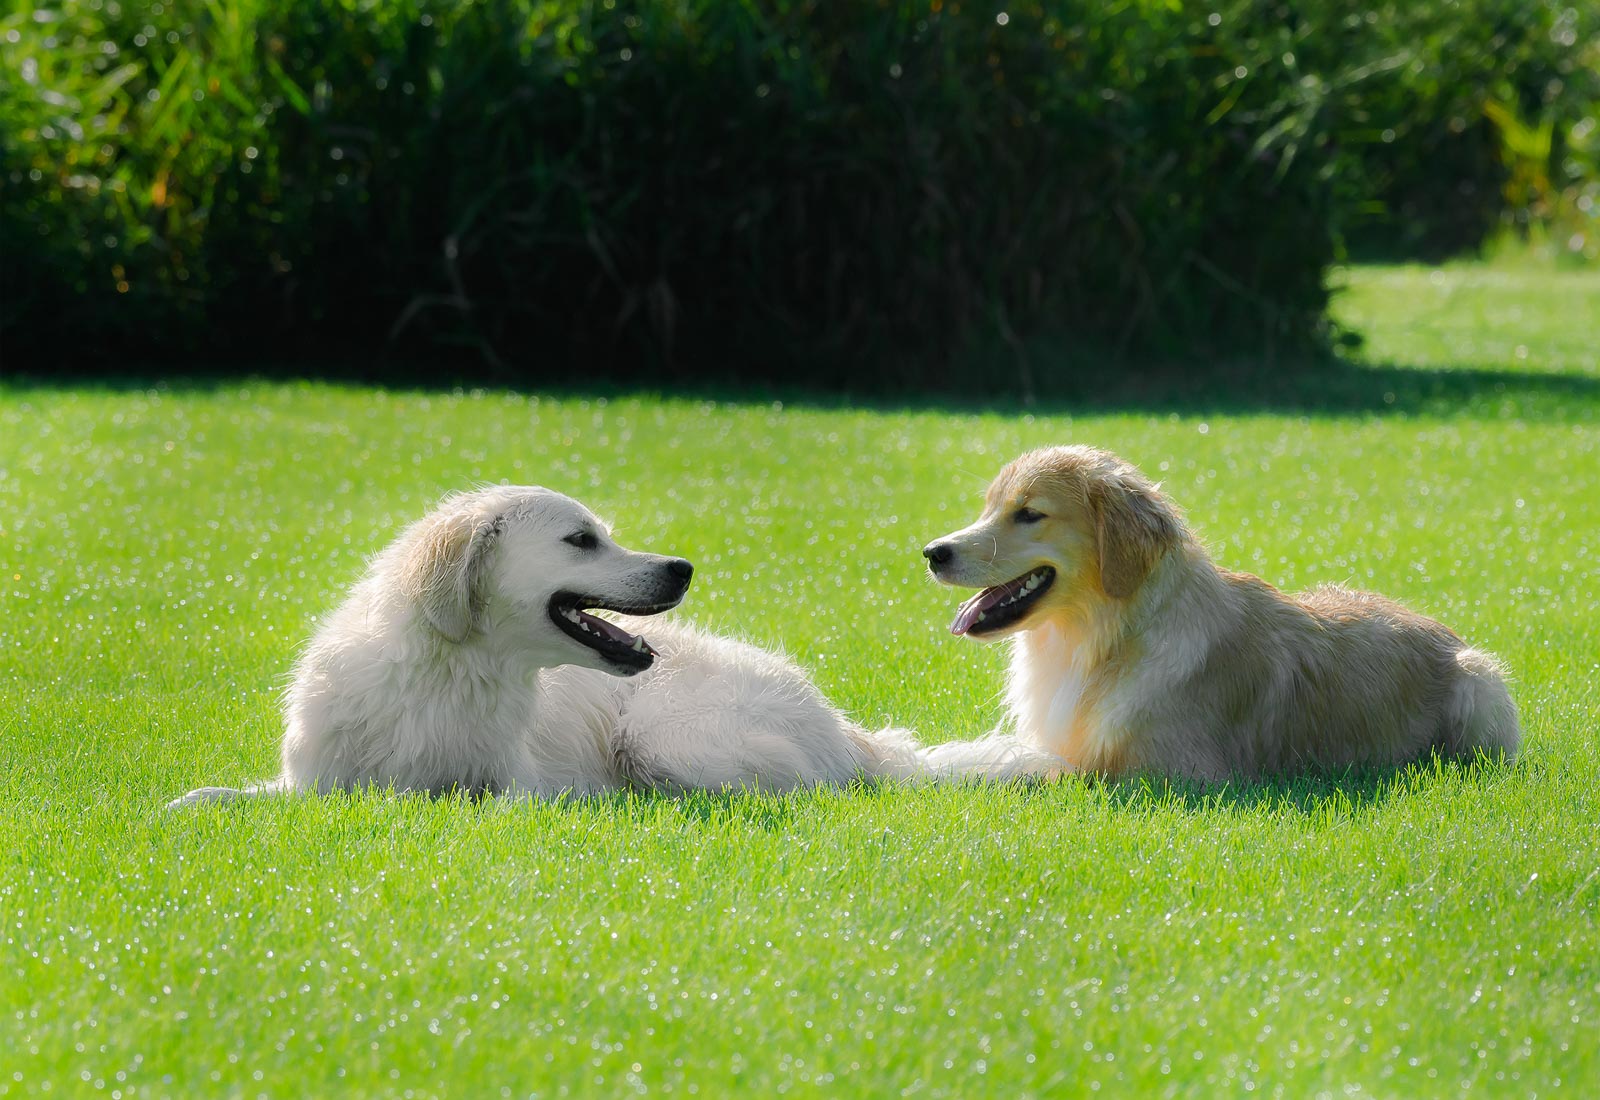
x,y
998,607
629,652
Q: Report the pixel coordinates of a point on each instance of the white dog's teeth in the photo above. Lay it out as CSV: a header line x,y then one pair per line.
x,y
1034,582
571,615
638,645
982,615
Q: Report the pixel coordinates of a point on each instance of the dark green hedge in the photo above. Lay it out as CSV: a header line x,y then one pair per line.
x,y
829,192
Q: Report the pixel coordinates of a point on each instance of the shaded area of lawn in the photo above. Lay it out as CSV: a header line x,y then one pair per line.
x,y
1483,341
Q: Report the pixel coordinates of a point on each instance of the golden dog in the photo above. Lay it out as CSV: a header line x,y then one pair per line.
x,y
1135,653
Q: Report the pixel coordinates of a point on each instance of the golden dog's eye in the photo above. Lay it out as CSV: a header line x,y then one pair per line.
x,y
1027,515
583,540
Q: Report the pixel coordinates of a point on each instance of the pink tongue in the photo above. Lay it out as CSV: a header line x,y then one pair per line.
x,y
967,617
611,631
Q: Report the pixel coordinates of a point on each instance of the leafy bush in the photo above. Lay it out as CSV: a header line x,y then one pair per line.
x,y
1463,127
852,193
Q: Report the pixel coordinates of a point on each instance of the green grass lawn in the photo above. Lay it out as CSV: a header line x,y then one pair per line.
x,y
163,552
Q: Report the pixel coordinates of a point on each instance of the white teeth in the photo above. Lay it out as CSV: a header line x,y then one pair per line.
x,y
1034,582
982,615
571,615
638,645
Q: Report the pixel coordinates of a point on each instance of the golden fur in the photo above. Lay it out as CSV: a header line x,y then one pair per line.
x,y
1143,656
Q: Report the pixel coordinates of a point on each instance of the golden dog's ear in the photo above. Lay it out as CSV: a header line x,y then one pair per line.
x,y
1134,526
443,570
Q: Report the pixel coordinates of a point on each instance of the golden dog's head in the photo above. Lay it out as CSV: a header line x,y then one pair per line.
x,y
1062,530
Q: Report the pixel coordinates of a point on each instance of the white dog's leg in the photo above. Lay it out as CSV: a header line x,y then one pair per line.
x,y
994,756
717,749
891,753
721,715
228,794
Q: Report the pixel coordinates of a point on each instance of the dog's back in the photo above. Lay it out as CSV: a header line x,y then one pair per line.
x,y
1329,678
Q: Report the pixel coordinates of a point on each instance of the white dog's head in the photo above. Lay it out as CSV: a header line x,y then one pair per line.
x,y
1065,532
526,564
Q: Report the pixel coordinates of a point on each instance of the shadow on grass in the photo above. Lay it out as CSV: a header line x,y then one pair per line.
x,y
1324,795
1328,387
762,811
1347,388
1311,793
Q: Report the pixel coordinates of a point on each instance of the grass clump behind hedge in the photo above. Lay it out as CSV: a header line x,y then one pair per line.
x,y
835,193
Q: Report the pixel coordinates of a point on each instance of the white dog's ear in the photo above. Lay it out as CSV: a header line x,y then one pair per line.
x,y
1134,526
444,570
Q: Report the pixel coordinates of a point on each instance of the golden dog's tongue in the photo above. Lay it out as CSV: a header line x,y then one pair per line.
x,y
975,610
998,607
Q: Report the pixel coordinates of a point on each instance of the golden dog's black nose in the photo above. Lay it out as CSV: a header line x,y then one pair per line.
x,y
937,553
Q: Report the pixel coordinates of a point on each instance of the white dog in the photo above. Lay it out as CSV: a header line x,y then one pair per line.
x,y
467,659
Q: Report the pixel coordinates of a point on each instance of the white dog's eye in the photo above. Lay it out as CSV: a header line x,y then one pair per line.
x,y
583,540
1027,515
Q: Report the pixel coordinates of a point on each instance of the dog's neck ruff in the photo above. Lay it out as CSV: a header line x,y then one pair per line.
x,y
1065,670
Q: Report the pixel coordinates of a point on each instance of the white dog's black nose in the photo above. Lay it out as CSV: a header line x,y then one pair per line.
x,y
681,568
937,553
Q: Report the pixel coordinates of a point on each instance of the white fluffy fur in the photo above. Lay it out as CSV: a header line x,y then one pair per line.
x,y
443,670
